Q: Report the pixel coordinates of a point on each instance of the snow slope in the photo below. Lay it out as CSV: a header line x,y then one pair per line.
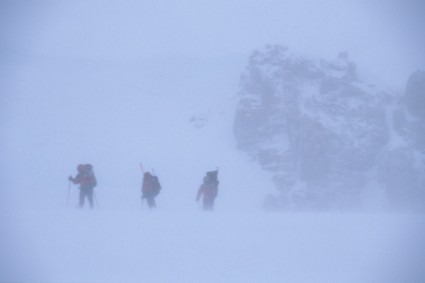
x,y
140,246
58,118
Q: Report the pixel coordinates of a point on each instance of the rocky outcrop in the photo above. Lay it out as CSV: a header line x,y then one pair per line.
x,y
327,136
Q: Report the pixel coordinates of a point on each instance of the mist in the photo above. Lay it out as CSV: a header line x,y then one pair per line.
x,y
188,87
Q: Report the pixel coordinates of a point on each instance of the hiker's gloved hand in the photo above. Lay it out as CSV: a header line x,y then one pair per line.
x,y
70,178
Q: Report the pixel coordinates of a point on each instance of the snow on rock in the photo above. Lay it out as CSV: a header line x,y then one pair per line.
x,y
324,134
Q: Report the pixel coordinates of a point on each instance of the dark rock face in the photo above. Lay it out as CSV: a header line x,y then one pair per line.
x,y
401,166
327,137
415,94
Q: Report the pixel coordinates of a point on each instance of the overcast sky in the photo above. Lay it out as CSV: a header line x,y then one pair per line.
x,y
385,38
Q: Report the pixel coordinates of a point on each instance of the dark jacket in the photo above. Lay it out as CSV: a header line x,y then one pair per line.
x,y
208,191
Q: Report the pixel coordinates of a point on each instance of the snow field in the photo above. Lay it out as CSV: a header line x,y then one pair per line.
x,y
164,246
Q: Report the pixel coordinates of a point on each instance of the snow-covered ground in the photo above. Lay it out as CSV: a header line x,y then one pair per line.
x,y
137,245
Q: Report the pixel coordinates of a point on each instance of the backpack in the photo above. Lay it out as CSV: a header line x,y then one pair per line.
x,y
156,185
212,177
85,176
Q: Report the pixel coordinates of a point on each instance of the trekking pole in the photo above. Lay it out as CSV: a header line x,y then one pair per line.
x,y
69,189
95,199
143,172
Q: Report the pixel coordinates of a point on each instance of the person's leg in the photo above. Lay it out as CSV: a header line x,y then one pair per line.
x,y
207,204
90,197
151,202
82,196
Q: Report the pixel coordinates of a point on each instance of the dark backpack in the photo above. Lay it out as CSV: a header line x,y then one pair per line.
x,y
156,185
212,178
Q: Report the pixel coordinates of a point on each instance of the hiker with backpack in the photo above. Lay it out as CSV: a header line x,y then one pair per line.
x,y
87,181
150,189
208,190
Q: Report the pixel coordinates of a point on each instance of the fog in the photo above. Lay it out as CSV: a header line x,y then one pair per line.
x,y
116,84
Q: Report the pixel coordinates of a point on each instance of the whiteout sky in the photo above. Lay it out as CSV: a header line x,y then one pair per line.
x,y
116,82
383,37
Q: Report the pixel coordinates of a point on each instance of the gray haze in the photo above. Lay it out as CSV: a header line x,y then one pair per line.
x,y
115,83
380,35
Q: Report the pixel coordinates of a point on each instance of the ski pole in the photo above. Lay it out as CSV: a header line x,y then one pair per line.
x,y
69,189
143,172
95,199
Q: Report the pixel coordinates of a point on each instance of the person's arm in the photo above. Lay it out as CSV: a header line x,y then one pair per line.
x,y
75,180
